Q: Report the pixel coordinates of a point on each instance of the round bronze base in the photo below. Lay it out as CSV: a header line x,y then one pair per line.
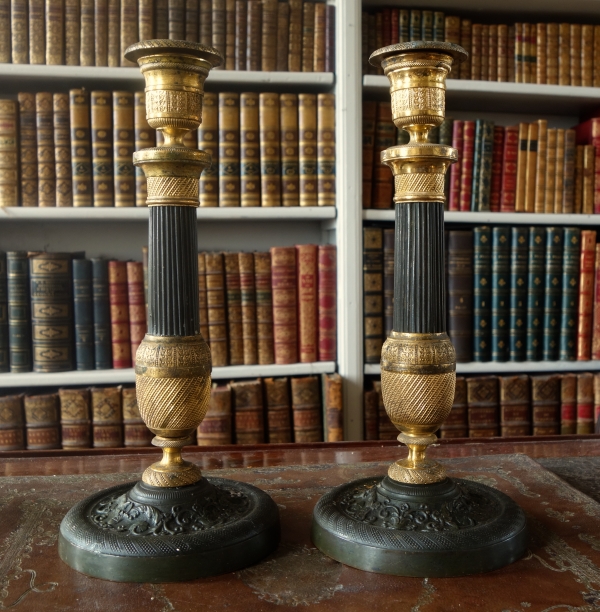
x,y
139,533
452,528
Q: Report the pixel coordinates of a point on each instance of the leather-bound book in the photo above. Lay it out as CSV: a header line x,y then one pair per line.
x,y
234,309
460,292
578,193
241,35
570,293
559,173
101,32
264,308
535,293
369,118
553,292
4,358
144,138
51,281
177,20
587,55
515,411
386,429
202,303
218,28
587,260
568,195
44,117
72,32
483,404
192,19
102,149
229,149
307,278
500,293
55,35
596,310
9,152
307,122
388,281
269,35
81,150
326,149
216,425
502,53
107,417
250,148
254,36
205,29
457,423
249,412
27,132
216,305
123,147
330,38
114,32
541,44
102,321
483,170
585,403
519,256
37,33
546,404
129,28
373,293
62,150
308,36
12,423
83,311
75,422
279,410
295,37
464,71
575,54
521,175
552,53
208,140
568,404
531,166
476,58
288,132
550,170
42,421
455,169
285,323
137,305
86,34
146,20
135,432
283,36
333,408
370,412
19,312
270,164
385,137
320,36
248,301
540,171
596,402
19,30
119,314
509,169
306,409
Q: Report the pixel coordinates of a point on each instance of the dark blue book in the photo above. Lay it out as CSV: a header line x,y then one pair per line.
x,y
4,359
570,294
482,293
19,312
553,292
535,293
102,338
83,311
519,248
500,293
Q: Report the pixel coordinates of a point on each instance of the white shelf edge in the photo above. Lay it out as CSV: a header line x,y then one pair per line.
x,y
127,375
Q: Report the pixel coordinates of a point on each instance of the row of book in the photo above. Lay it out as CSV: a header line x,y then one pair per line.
x,y
297,35
543,53
514,293
275,410
486,406
77,149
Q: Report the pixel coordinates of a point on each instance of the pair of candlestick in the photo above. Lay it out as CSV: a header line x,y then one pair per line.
x,y
176,524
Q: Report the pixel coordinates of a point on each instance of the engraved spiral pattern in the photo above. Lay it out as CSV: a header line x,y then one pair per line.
x,y
155,478
428,472
418,185
173,187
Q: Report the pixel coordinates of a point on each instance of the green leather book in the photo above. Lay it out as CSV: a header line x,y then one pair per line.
x,y
500,293
552,292
518,293
535,293
482,293
570,294
427,25
485,166
476,163
415,25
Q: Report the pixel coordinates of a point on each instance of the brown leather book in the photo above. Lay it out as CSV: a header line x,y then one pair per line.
x,y
81,150
465,42
541,59
5,38
283,36
205,29
521,192
568,195
283,284
19,30
493,53
306,409
254,38
102,149
578,197
385,136
485,52
373,293
37,33
12,423
587,55
27,132
123,147
144,138
135,432
530,167
552,53
370,412
129,28
192,8
307,278
229,149
279,410
597,402
219,28
107,417
101,32
248,301
44,117
511,53
307,121
86,34
208,140
326,149
457,423
550,170
585,403
586,294
564,54
216,305
216,426
387,430
587,205
575,54
137,305
119,314
114,33
327,299
476,57
269,35
234,309
559,172
540,171
369,119
288,114
249,412
202,303
55,35
483,404
146,22
320,36
62,150
250,148
295,37
515,412
568,404
308,36
264,307
596,55
42,421
241,35
75,419
545,404
333,408
270,165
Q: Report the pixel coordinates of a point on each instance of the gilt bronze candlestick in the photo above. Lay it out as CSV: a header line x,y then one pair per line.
x,y
416,521
174,524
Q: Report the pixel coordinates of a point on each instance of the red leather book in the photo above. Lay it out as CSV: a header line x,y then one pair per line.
x,y
588,133
597,402
386,20
283,283
497,155
586,294
137,305
509,169
395,23
596,313
119,314
306,259
466,170
369,118
456,169
327,302
568,404
264,307
385,136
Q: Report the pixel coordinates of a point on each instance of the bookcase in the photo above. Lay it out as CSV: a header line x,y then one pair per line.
x,y
122,232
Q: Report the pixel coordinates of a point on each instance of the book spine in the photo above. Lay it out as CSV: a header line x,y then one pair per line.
x,y
308,36
241,35
373,293
264,307
284,283
519,255
552,53
446,28
288,108
4,356
327,300
553,292
306,409
550,170
479,123
216,426
465,42
541,43
248,301
249,412
37,32
570,293
568,196
146,21
102,150
119,314
307,278
102,326
75,423
320,36
123,147
587,204
500,293
277,398
19,31
586,294
482,400
229,33
330,35
568,404
44,116
12,423
333,408
129,28
476,48
535,293
62,150
205,26
564,54
229,149
493,53
27,132
485,166
144,137
202,303
216,305
19,312
137,305
466,176
385,136
307,122
83,311
540,170
587,55
585,403
457,423
9,153
559,175
496,173
219,28
81,158
42,421
114,33
269,150
485,52
107,417
326,149
578,191
515,415
455,169
269,35
369,116
55,39
295,36
86,36
208,140
482,293
101,32
531,166
234,309
509,169
521,187
596,54
254,45
575,54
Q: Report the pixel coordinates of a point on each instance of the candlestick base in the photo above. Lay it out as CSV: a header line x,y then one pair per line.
x,y
135,532
451,528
